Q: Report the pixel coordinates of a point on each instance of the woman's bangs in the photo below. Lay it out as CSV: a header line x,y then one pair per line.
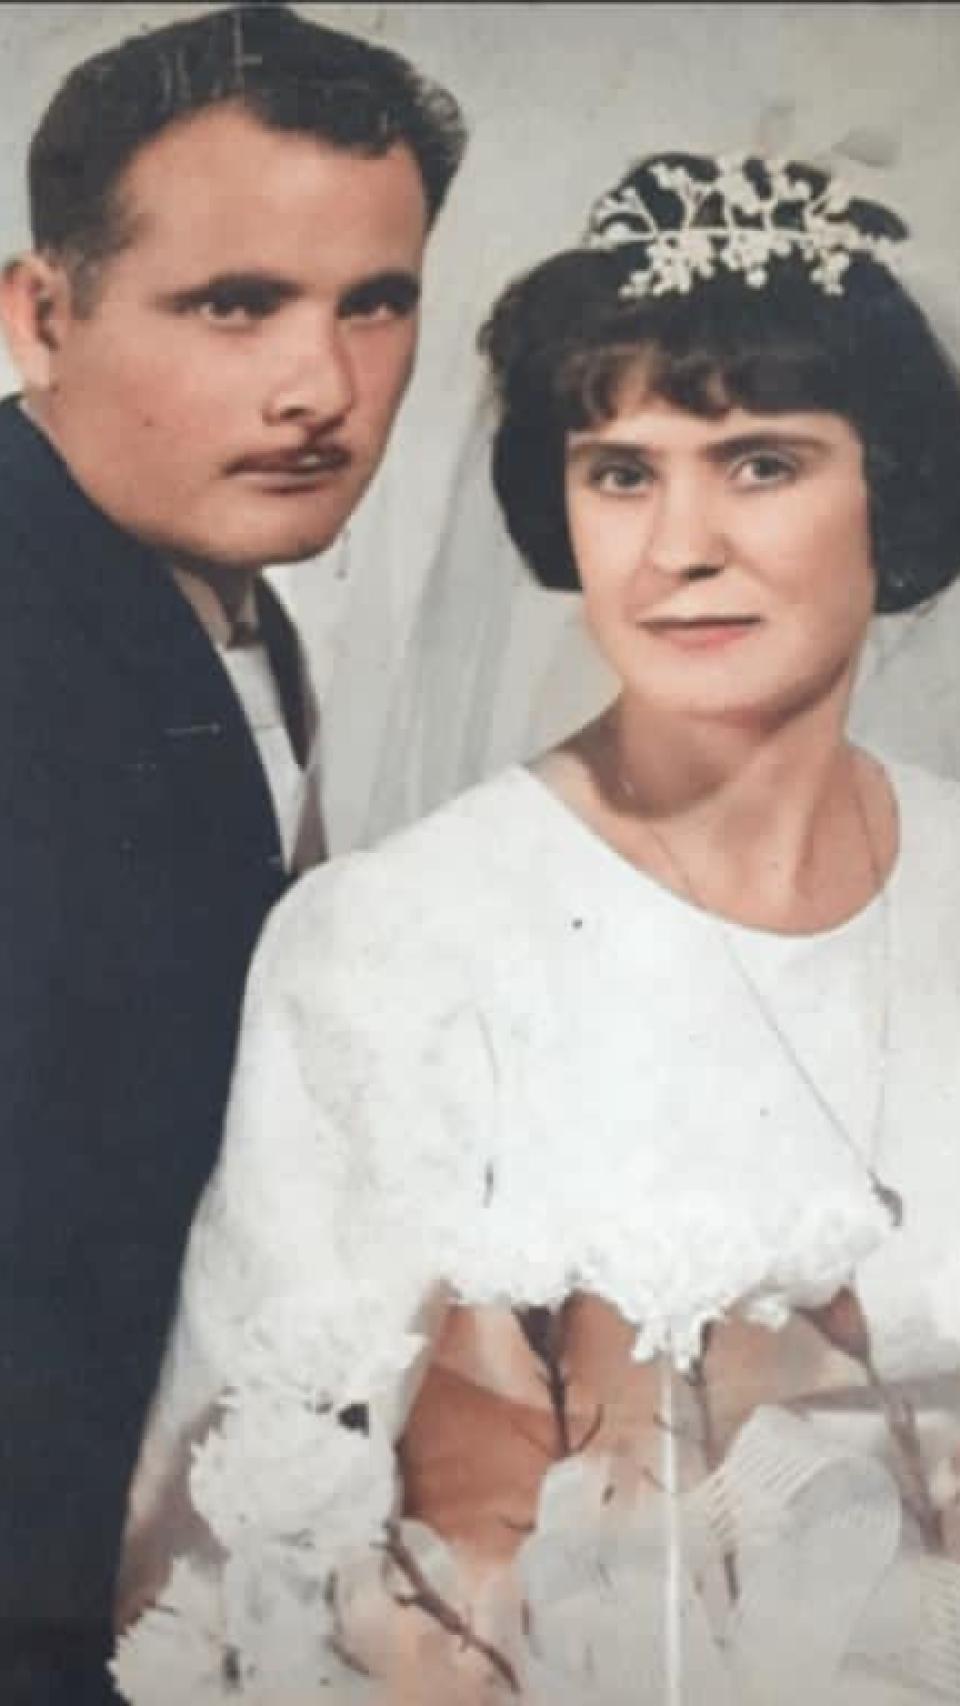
x,y
706,366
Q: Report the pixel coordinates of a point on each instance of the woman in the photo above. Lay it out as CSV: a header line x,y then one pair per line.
x,y
604,1068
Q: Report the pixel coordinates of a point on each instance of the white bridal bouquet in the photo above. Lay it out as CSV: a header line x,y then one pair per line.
x,y
704,1492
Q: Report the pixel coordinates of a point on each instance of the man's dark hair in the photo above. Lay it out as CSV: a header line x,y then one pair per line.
x,y
562,340
288,73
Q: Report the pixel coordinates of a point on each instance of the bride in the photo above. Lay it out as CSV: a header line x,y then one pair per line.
x,y
631,1066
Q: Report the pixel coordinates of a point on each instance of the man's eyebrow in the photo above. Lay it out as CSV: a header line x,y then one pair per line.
x,y
264,287
395,285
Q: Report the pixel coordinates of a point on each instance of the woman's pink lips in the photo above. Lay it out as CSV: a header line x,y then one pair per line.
x,y
702,634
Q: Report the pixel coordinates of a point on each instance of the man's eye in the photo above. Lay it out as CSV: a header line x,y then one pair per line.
x,y
388,301
223,312
232,308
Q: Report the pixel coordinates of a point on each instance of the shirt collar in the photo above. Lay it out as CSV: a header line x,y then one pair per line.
x,y
225,629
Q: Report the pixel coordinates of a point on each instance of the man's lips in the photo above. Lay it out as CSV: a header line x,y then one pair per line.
x,y
305,463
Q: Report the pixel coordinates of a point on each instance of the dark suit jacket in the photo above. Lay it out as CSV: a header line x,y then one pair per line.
x,y
139,854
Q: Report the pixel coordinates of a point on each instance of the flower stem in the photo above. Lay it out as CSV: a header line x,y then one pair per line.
x,y
426,1599
696,1379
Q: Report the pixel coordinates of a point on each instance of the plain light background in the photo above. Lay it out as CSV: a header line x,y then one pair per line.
x,y
559,98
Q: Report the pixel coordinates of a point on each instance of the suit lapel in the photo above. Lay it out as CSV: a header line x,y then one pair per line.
x,y
116,595
283,650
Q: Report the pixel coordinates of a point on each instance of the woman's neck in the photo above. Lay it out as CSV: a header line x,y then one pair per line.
x,y
788,828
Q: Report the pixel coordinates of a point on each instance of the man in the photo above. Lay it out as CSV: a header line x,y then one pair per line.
x,y
214,330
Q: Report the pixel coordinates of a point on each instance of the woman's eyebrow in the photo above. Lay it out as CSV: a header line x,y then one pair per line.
x,y
769,438
582,445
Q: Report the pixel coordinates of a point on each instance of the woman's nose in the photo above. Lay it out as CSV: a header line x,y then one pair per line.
x,y
684,539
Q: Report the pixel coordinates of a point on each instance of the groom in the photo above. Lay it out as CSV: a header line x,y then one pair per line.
x,y
214,330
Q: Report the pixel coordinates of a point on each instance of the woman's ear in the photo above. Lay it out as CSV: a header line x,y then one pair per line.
x,y
34,304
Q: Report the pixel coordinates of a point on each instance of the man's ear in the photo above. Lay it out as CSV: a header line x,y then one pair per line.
x,y
34,307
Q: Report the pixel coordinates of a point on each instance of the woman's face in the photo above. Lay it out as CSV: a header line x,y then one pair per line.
x,y
726,563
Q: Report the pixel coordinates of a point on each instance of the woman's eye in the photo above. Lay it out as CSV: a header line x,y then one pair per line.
x,y
618,477
766,468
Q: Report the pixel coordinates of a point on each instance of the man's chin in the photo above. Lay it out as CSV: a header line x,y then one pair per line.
x,y
269,530
258,549
303,550
293,538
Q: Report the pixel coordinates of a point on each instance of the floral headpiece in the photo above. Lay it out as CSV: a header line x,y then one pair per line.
x,y
740,215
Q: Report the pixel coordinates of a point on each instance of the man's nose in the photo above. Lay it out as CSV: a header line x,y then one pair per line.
x,y
685,538
317,382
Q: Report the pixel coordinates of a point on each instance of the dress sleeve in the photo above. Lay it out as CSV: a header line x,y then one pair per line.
x,y
312,1286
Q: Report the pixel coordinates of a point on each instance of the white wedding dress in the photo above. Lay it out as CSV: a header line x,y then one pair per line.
x,y
491,1065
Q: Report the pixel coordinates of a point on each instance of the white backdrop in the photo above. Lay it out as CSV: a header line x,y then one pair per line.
x,y
559,98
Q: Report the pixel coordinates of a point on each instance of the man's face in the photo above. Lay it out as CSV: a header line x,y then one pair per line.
x,y
230,394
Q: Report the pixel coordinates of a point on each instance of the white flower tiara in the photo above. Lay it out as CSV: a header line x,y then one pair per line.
x,y
746,230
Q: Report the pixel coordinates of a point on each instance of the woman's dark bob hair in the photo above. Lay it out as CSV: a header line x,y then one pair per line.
x,y
561,341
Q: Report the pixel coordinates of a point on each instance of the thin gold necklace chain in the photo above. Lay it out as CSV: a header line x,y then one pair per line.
x,y
886,1195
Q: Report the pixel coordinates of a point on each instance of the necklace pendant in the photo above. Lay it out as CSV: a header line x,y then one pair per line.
x,y
890,1199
